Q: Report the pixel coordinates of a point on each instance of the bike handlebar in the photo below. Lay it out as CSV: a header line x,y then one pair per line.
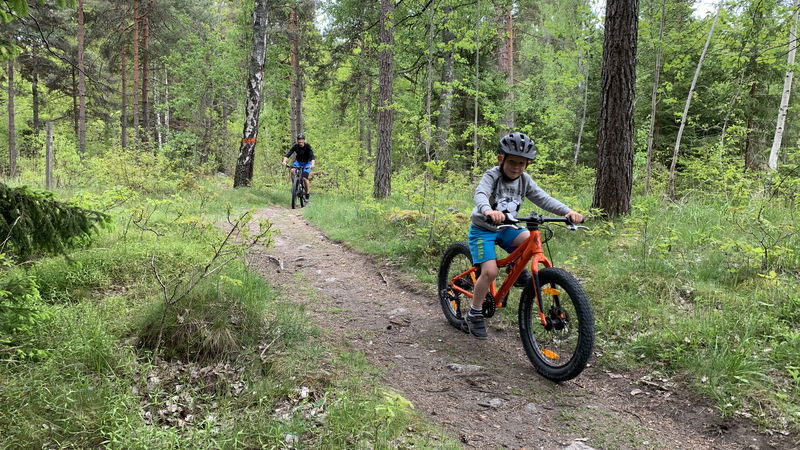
x,y
538,219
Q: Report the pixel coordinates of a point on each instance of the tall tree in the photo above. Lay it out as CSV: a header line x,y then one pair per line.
x,y
446,97
505,59
787,90
296,89
255,84
124,96
674,165
383,160
12,143
614,181
654,96
147,7
81,80
135,105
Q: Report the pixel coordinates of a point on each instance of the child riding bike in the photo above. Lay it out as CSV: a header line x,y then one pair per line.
x,y
499,194
304,160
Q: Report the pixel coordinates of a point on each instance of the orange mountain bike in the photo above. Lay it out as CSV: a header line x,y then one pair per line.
x,y
555,318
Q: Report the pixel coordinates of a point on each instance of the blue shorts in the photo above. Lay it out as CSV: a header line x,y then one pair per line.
x,y
306,166
482,242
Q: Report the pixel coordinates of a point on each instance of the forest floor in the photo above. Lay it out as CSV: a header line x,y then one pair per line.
x,y
485,394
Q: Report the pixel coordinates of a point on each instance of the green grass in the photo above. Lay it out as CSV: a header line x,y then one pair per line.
x,y
96,382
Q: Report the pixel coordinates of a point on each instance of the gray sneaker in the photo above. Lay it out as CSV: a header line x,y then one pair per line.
x,y
475,325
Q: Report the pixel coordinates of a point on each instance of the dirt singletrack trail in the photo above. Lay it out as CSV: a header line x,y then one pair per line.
x,y
484,393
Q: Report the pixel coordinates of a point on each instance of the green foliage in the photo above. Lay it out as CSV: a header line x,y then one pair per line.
x,y
33,221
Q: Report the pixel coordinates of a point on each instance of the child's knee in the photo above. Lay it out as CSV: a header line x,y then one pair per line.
x,y
489,271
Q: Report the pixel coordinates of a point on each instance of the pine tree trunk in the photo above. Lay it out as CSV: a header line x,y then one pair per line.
x,y
48,157
383,161
429,88
787,90
37,126
505,62
612,192
12,143
145,21
135,106
81,81
654,98
370,115
75,121
255,84
477,89
296,96
124,94
446,101
674,165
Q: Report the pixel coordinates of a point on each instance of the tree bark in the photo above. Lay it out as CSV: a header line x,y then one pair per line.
x,y
124,94
505,62
145,22
383,161
477,88
48,157
371,115
446,100
614,181
255,84
75,120
654,98
37,126
429,88
772,163
135,105
81,81
12,143
297,76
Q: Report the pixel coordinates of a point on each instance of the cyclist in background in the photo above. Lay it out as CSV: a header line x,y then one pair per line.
x,y
303,160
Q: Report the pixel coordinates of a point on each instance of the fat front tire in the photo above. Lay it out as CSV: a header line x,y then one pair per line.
x,y
561,350
295,193
456,260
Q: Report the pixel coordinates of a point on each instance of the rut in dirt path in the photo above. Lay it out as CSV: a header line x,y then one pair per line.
x,y
484,393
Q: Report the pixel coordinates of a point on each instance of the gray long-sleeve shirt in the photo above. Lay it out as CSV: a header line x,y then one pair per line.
x,y
494,192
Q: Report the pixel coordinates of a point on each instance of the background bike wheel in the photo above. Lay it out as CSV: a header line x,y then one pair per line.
x,y
558,354
295,193
456,260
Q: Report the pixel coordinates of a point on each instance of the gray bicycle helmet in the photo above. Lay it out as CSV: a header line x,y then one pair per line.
x,y
518,144
301,136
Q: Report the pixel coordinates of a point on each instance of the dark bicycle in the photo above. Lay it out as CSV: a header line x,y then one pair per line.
x,y
298,187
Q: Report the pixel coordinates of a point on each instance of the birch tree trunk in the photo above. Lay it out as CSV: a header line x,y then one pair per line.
x,y
294,61
612,193
383,160
772,163
12,143
675,152
255,84
166,105
81,82
654,98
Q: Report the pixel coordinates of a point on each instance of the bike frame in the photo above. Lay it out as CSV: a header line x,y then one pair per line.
x,y
530,250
